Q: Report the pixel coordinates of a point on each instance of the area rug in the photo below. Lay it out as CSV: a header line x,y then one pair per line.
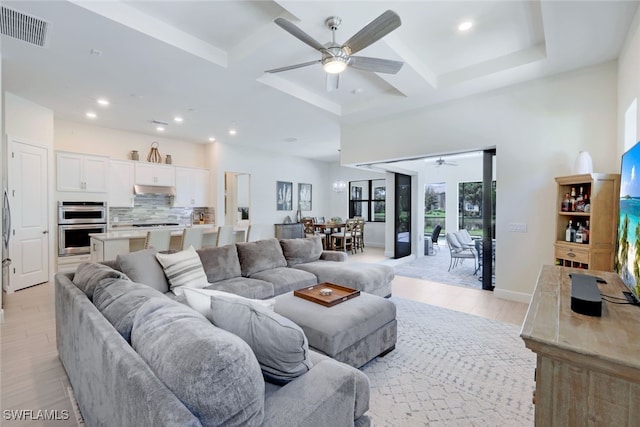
x,y
452,369
434,268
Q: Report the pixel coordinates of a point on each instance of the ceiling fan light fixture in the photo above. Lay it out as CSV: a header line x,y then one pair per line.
x,y
334,65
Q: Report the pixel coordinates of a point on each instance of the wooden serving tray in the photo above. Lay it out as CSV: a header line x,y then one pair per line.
x,y
339,294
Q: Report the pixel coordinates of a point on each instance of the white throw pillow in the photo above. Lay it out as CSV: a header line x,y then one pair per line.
x,y
183,269
200,300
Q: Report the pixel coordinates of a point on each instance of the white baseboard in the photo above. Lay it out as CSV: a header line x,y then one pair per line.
x,y
512,296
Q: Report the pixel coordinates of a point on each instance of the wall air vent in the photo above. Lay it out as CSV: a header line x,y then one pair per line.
x,y
23,27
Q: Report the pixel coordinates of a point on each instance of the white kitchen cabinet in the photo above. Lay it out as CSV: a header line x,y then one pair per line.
x,y
121,179
81,172
192,187
155,174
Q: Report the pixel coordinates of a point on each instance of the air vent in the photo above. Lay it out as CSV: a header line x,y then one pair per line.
x,y
23,27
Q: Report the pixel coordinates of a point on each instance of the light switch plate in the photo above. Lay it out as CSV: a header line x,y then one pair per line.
x,y
518,227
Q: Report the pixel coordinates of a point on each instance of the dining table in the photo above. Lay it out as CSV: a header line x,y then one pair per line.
x,y
327,228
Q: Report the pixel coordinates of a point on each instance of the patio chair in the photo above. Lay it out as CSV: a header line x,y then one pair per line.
x,y
435,234
465,238
459,253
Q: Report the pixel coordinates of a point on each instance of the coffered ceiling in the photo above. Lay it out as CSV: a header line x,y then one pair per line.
x,y
205,61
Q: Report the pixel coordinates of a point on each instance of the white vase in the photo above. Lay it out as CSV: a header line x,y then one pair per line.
x,y
583,163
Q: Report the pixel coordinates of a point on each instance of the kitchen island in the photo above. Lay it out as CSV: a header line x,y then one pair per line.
x,y
121,240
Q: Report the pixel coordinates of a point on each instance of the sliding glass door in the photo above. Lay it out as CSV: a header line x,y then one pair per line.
x,y
402,219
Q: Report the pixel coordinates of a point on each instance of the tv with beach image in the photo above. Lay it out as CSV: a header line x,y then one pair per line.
x,y
627,263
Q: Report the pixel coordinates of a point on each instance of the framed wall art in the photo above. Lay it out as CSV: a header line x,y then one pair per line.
x,y
304,196
284,196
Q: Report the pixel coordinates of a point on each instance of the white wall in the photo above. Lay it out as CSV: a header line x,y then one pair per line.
x,y
94,139
538,128
266,168
628,79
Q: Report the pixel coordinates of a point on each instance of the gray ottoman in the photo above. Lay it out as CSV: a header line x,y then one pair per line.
x,y
353,332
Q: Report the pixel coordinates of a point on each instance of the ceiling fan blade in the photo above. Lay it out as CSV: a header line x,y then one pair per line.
x,y
332,82
376,65
374,31
299,34
293,67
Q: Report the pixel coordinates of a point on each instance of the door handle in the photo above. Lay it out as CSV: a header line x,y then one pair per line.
x,y
45,232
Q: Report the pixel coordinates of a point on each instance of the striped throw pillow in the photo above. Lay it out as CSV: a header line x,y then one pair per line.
x,y
183,269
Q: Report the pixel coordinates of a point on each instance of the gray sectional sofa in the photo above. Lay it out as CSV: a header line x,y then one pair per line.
x,y
137,357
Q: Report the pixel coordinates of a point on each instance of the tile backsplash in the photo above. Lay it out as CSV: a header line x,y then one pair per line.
x,y
157,208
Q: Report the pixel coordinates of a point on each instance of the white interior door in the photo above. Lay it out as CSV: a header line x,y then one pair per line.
x,y
29,245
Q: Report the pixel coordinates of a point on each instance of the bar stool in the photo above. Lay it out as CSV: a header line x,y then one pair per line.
x,y
192,236
158,239
226,235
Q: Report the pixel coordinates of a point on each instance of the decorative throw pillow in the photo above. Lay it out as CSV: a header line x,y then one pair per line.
x,y
298,251
213,372
183,269
200,300
259,256
220,263
118,300
143,267
280,345
89,274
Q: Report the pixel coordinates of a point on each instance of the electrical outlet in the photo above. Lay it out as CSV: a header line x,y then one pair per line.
x,y
115,220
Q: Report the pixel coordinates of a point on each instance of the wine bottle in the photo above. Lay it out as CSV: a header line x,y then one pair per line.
x,y
568,232
565,203
585,233
572,200
579,233
580,202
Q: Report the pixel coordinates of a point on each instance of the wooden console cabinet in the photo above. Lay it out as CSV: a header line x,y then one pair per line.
x,y
588,368
289,231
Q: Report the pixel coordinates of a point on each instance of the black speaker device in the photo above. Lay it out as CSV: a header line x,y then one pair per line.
x,y
585,295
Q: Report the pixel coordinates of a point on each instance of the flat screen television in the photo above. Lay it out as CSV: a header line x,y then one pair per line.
x,y
627,262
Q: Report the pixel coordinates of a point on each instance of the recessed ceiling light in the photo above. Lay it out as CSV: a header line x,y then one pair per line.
x,y
103,101
91,115
160,128
211,139
232,131
177,119
465,26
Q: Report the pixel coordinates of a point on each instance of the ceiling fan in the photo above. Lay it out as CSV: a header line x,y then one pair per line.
x,y
440,162
336,58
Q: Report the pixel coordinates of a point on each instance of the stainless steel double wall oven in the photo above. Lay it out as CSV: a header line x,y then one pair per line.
x,y
76,220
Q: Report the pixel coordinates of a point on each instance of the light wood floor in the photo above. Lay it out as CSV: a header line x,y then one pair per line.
x,y
473,301
32,377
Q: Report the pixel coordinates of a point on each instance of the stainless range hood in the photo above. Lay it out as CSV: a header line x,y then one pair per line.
x,y
154,189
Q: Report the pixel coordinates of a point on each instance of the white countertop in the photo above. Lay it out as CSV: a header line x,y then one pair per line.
x,y
141,232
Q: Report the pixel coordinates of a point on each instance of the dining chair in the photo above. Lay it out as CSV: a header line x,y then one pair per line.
x,y
343,240
358,234
192,236
226,235
158,239
309,227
